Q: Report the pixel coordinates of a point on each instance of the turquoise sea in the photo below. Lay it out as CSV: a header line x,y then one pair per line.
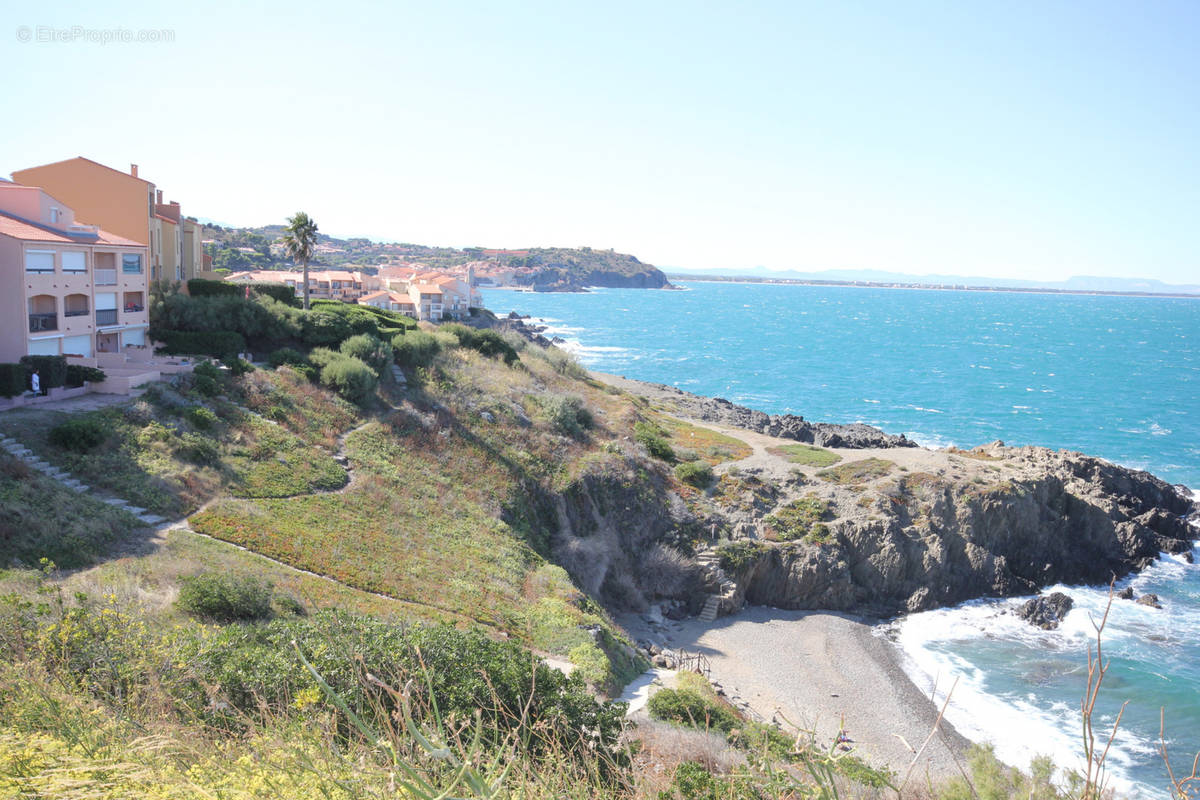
x,y
1116,377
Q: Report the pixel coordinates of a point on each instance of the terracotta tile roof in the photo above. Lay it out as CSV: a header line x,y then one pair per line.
x,y
375,296
18,228
88,160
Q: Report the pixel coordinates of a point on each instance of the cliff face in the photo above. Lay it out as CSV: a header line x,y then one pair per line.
x,y
1070,519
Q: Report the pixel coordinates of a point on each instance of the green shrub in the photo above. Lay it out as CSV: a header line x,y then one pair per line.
x,y
685,707
371,351
207,379
568,414
52,370
77,375
487,342
351,378
323,329
736,556
696,473
415,349
201,418
198,449
218,344
225,598
286,355
79,434
13,380
237,366
653,438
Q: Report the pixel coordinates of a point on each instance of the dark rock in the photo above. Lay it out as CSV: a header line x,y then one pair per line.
x,y
1126,593
1150,599
1047,611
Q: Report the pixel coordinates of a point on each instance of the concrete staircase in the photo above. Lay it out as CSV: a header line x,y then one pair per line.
x,y
723,599
24,454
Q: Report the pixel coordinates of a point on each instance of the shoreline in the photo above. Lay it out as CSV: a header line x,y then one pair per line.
x,y
823,672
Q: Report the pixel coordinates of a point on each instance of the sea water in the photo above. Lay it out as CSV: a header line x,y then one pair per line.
x,y
1116,377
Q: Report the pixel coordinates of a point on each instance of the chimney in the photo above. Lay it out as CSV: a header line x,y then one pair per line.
x,y
133,170
158,197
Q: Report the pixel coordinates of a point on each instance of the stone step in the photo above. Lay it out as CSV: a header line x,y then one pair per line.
x,y
151,519
116,501
711,608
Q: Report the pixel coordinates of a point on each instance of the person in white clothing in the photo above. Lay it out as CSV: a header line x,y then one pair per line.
x,y
35,383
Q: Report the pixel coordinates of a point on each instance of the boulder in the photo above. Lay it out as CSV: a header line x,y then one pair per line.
x,y
1126,593
1046,611
1150,600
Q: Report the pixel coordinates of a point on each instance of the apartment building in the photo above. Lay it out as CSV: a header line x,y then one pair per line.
x,y
193,249
331,284
66,288
124,204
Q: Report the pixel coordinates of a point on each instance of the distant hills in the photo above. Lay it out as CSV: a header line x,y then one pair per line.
x,y
543,269
1078,283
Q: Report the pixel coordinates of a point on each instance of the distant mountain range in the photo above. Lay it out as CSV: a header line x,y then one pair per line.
x,y
1078,283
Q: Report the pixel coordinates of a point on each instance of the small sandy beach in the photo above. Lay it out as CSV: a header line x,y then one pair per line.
x,y
823,672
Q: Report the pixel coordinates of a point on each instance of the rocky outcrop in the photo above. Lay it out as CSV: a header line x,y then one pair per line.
x,y
1149,600
1046,611
578,280
785,426
1072,519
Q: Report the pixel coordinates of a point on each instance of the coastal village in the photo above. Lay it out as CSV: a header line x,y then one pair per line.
x,y
82,243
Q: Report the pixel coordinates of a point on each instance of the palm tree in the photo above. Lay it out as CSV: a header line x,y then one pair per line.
x,y
299,240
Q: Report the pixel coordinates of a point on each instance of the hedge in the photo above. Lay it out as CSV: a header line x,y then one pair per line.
x,y
198,287
12,380
52,370
77,375
218,344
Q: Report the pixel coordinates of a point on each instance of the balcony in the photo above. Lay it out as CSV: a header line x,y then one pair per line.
x,y
106,316
106,277
43,322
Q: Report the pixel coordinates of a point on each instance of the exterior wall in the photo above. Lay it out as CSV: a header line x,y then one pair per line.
x,y
172,251
13,322
129,292
117,202
193,249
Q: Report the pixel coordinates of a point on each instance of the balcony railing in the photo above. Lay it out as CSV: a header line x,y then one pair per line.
x,y
106,277
43,322
131,308
76,313
106,316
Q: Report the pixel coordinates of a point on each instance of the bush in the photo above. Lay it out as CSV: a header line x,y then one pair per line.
x,y
487,342
685,707
237,366
369,350
287,355
201,418
415,349
225,598
199,450
695,473
218,344
323,329
207,379
77,375
351,378
79,434
736,556
13,380
52,370
653,438
568,414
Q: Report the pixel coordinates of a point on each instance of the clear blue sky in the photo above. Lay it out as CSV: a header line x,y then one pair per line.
x,y
1016,139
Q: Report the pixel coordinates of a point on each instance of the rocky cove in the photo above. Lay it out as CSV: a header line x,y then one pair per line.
x,y
888,528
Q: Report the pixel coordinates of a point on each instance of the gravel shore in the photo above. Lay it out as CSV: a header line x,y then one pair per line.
x,y
822,672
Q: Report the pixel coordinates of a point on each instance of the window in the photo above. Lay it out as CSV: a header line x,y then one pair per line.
x,y
43,347
74,261
39,261
54,216
78,345
131,263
